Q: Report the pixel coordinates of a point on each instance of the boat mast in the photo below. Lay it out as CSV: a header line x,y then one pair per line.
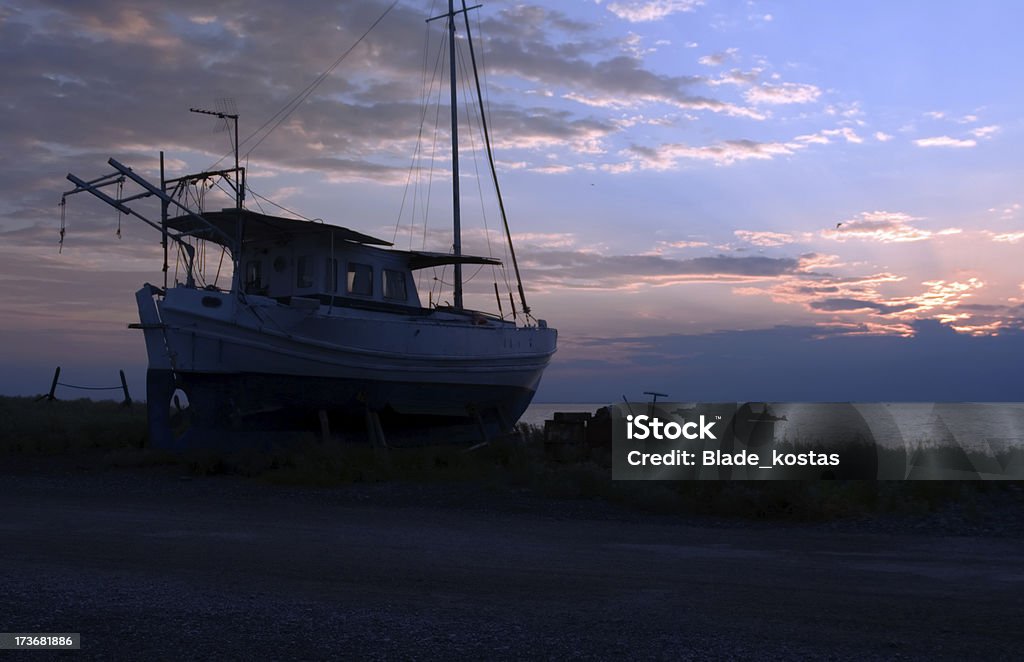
x,y
456,219
456,216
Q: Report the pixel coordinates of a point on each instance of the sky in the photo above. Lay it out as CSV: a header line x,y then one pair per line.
x,y
714,199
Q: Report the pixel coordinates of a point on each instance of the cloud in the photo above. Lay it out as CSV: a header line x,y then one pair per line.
x,y
846,133
554,169
883,227
717,59
683,244
783,93
736,77
882,137
762,238
589,77
861,300
60,83
813,139
546,240
1006,237
669,156
640,11
823,136
984,131
846,305
944,141
588,270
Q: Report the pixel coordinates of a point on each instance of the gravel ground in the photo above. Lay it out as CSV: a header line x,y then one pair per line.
x,y
147,564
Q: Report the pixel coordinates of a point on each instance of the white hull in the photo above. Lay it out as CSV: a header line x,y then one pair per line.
x,y
258,354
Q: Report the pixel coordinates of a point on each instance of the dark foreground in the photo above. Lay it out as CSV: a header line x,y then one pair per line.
x,y
149,565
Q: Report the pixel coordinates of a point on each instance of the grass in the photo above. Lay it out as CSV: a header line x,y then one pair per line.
x,y
118,434
43,427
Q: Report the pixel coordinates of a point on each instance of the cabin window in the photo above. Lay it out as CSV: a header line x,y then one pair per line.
x,y
254,275
394,285
331,275
360,279
304,271
280,264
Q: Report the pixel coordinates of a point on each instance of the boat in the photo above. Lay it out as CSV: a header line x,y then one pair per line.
x,y
320,326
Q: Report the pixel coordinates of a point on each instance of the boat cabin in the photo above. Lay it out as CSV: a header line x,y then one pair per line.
x,y
283,258
325,266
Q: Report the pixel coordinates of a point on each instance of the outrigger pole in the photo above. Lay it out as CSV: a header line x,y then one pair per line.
x,y
123,172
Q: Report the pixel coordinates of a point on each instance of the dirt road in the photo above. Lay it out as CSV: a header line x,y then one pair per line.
x,y
147,565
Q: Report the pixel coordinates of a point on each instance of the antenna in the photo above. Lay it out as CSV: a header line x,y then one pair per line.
x,y
226,104
227,107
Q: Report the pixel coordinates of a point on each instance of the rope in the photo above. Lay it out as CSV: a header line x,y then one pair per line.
x,y
120,194
63,207
90,388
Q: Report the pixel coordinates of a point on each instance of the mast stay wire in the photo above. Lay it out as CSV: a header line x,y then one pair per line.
x,y
486,108
473,112
296,101
490,157
430,170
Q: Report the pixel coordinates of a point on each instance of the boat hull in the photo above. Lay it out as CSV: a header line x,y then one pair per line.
x,y
252,368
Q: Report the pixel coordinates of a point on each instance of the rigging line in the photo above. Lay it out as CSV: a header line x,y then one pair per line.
x,y
473,111
494,173
417,164
249,188
302,96
258,205
223,190
483,63
271,202
471,114
223,251
478,269
177,260
430,170
304,93
417,152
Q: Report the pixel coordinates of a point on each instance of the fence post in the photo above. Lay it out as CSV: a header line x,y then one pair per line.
x,y
53,385
124,386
